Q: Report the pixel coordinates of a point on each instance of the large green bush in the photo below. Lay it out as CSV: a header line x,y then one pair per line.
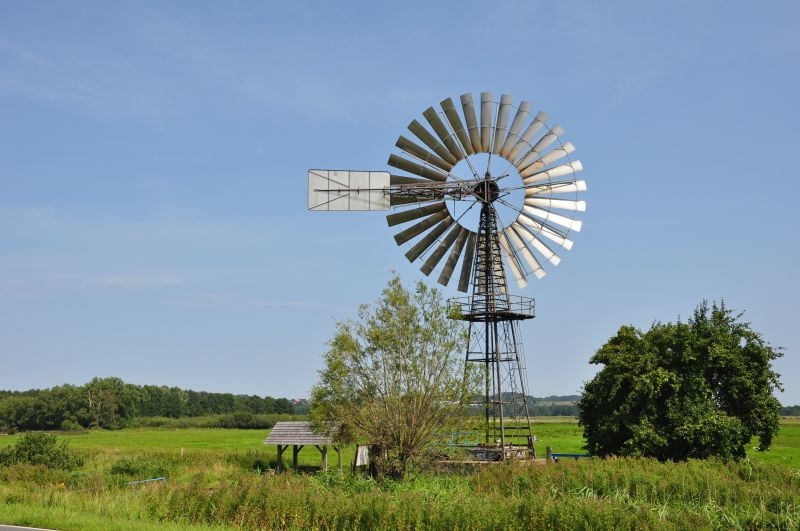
x,y
39,448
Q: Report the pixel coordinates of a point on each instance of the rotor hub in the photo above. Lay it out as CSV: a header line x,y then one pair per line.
x,y
487,190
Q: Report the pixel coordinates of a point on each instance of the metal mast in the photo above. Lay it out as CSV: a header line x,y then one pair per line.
x,y
493,317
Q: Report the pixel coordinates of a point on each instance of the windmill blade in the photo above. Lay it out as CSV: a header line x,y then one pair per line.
x,y
486,120
524,141
529,177
417,169
555,188
545,230
455,254
451,114
472,122
513,132
421,246
563,204
569,223
445,136
423,154
440,250
415,213
536,151
418,228
466,265
537,244
551,157
502,121
519,244
429,140
513,261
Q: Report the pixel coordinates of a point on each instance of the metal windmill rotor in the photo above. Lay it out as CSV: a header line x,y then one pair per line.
x,y
527,176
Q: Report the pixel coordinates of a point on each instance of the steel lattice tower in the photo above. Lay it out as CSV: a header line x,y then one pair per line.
x,y
493,317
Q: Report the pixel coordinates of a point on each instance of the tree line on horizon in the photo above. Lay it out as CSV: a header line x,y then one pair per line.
x,y
111,403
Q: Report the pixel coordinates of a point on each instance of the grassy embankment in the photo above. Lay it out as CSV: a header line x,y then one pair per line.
x,y
217,479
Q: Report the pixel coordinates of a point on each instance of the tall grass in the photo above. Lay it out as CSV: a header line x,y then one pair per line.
x,y
231,485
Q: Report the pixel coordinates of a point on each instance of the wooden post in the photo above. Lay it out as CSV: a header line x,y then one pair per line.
x,y
549,455
295,450
281,448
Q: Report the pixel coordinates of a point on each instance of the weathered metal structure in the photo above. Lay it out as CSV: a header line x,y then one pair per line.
x,y
518,178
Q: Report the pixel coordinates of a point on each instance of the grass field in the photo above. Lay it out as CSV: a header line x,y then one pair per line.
x,y
221,479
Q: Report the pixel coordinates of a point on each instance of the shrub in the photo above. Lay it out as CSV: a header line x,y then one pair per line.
x,y
39,448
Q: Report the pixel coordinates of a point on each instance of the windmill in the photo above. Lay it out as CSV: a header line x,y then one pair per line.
x,y
474,194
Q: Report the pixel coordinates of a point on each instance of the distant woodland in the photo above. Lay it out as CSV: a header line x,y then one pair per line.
x,y
110,403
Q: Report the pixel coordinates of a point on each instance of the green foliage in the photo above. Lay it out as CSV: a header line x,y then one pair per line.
x,y
39,448
395,378
111,403
688,390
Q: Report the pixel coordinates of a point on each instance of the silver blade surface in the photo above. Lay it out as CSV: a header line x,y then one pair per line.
x,y
440,250
452,259
418,228
486,121
454,119
426,241
417,169
415,213
423,154
468,107
502,121
466,265
429,140
516,125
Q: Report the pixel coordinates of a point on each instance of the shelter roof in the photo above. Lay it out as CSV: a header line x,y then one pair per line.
x,y
295,432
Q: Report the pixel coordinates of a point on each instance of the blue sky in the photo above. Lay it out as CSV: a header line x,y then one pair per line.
x,y
153,221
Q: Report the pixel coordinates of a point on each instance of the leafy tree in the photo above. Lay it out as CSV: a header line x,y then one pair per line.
x,y
687,390
395,378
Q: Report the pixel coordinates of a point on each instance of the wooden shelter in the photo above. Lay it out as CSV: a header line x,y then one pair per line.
x,y
298,434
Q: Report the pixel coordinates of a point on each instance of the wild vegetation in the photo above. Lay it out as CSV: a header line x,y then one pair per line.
x,y
223,479
697,389
396,378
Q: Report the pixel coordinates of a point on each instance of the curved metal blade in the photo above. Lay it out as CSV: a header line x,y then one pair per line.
x,y
537,244
417,169
535,265
440,250
513,260
421,246
454,119
445,136
472,122
502,121
418,228
536,151
513,132
415,213
555,188
563,204
486,121
569,223
524,141
452,259
423,154
466,264
545,230
554,155
529,176
429,140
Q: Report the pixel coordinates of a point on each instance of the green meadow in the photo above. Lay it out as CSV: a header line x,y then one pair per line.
x,y
224,479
